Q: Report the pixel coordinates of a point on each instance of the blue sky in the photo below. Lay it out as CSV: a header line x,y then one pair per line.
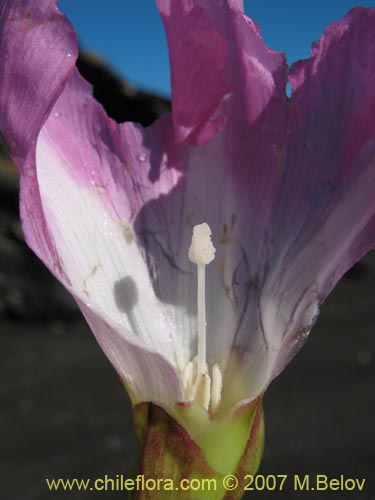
x,y
129,34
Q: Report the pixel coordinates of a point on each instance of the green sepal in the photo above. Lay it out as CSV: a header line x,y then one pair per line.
x,y
184,442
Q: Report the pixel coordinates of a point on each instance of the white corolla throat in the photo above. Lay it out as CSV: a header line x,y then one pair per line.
x,y
198,385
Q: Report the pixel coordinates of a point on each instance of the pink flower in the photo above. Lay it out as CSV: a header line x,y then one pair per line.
x,y
287,186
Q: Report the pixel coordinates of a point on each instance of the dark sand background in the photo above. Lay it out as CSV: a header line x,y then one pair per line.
x,y
64,413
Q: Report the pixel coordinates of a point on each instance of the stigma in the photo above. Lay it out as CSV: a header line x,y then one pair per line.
x,y
199,387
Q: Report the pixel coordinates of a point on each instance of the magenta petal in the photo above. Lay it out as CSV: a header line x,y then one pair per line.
x,y
88,198
74,207
287,186
325,210
197,66
36,59
215,51
229,182
38,52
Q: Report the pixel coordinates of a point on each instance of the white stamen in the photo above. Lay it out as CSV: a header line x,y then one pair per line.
x,y
195,378
203,389
201,319
201,252
216,387
187,375
200,387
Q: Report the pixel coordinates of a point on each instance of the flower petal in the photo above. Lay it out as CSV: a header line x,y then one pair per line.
x,y
325,209
76,211
216,51
228,181
194,99
147,374
36,39
38,50
275,183
86,200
